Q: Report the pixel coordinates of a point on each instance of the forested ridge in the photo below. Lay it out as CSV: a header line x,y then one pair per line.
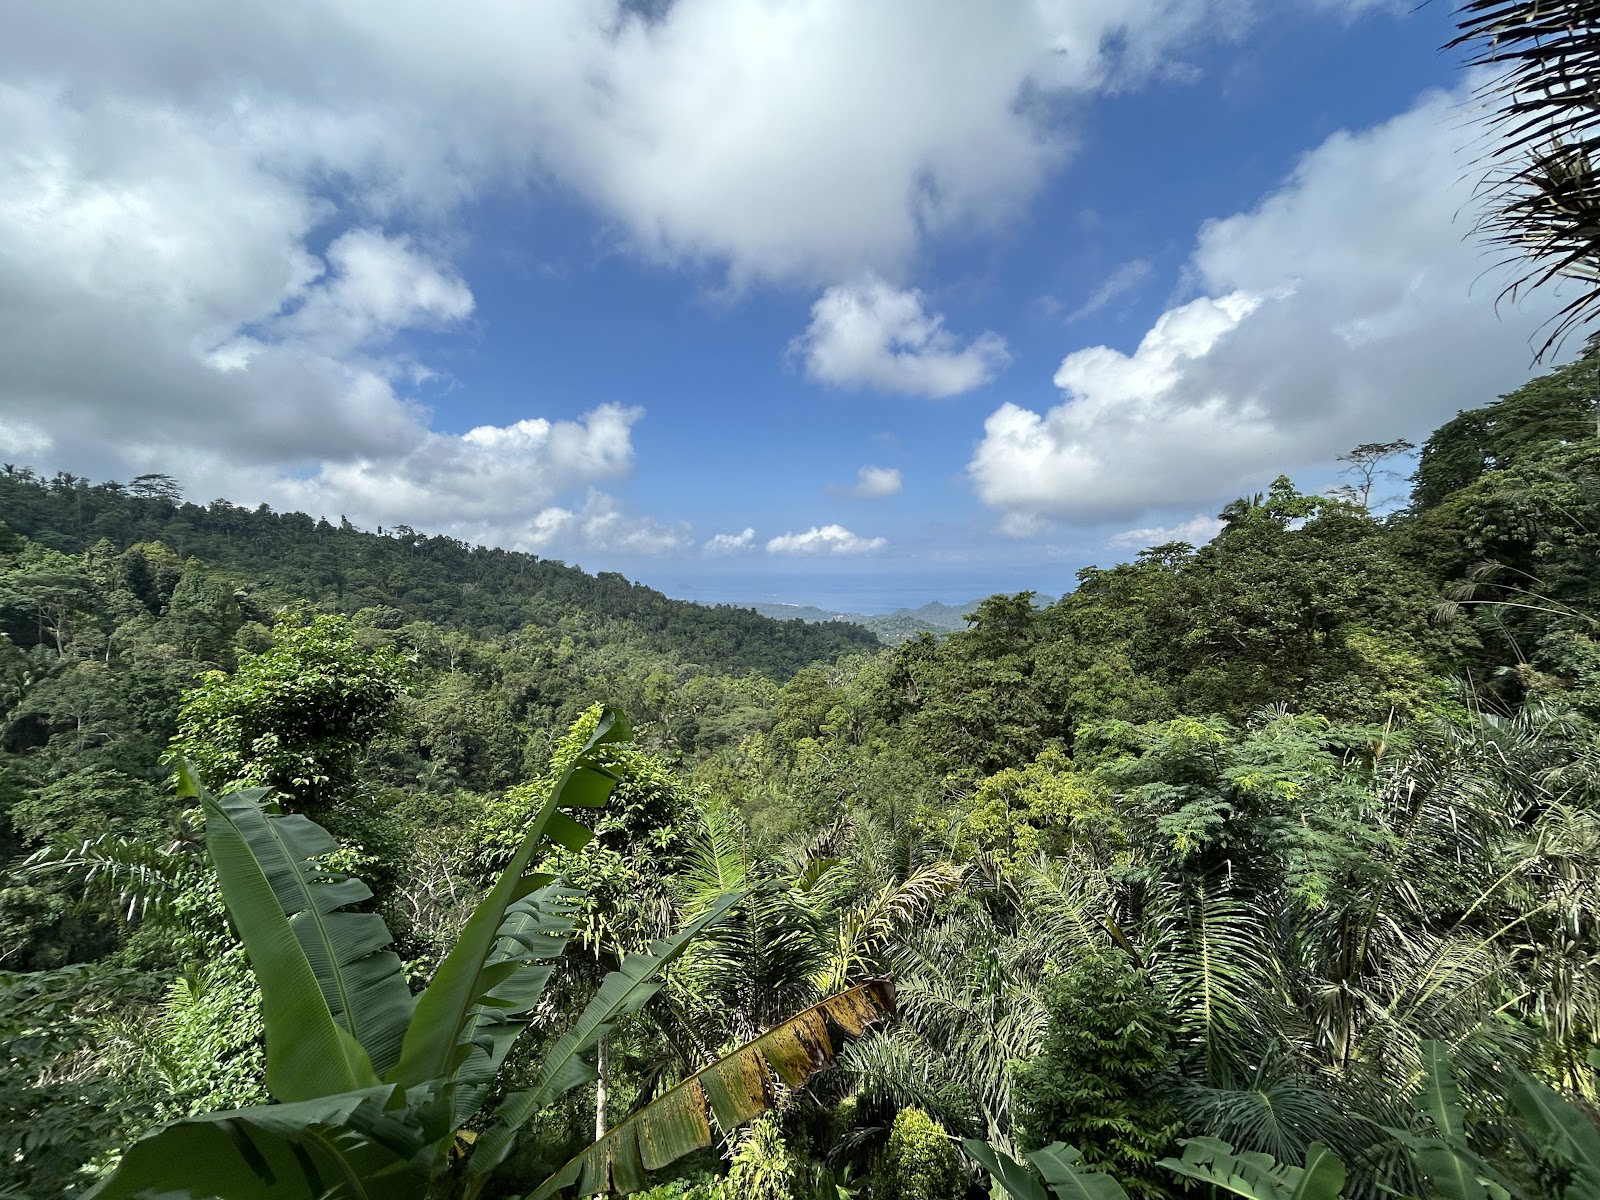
x,y
1290,841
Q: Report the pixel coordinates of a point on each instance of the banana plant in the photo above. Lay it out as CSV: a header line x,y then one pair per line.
x,y
372,1084
1059,1165
1259,1176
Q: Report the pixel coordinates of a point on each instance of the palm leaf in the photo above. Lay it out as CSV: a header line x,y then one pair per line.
x,y
867,928
265,883
732,1090
446,1013
140,878
343,1147
621,994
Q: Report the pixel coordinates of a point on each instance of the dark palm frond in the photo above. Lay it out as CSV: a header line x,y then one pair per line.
x,y
136,877
1542,188
1280,1111
891,1069
866,929
1209,952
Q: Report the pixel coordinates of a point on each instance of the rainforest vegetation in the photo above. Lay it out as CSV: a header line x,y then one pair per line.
x,y
349,864
1284,845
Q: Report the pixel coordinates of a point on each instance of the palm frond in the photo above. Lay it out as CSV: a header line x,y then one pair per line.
x,y
136,877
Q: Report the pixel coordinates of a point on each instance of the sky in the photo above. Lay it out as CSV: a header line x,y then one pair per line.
x,y
856,303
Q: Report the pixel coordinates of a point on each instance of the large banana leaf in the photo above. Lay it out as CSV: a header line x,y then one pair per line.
x,y
1064,1173
1017,1181
362,981
732,1089
622,993
309,1053
1061,1167
439,1037
532,937
344,1147
1563,1132
1260,1176
1455,1172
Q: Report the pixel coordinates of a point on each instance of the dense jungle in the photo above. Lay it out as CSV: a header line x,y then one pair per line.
x,y
349,864
1287,845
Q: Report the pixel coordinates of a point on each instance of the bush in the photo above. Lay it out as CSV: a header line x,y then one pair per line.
x,y
763,1167
1102,1079
920,1162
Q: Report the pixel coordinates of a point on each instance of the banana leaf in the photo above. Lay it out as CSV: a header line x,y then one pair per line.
x,y
1011,1175
362,981
439,1037
1563,1132
731,1090
622,993
1259,1176
345,1147
1065,1175
532,937
264,882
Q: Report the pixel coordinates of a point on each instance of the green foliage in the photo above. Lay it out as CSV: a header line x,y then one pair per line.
x,y
1102,1078
1258,1176
294,719
59,1106
763,1166
920,1162
1042,808
1059,1166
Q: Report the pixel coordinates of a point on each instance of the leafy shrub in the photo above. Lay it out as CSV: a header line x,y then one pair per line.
x,y
920,1162
763,1167
1100,1080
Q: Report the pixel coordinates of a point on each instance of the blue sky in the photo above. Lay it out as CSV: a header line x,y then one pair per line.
x,y
849,302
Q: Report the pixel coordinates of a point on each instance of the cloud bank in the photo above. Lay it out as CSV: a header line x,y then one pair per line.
x,y
1350,305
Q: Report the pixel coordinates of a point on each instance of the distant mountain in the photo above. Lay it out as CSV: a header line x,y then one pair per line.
x,y
901,625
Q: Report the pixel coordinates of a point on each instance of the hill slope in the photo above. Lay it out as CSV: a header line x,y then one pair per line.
x,y
438,579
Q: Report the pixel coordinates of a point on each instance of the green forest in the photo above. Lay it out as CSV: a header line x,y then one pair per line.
x,y
345,865
1273,861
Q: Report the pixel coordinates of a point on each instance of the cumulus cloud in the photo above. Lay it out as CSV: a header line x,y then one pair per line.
x,y
221,225
825,539
601,524
1197,530
480,486
874,335
871,483
1349,305
731,543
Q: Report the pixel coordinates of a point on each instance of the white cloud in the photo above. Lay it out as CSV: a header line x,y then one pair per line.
x,y
826,539
1197,531
1123,280
872,482
731,543
872,334
1348,306
220,224
473,486
601,524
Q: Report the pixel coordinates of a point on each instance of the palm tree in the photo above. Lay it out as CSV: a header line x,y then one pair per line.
x,y
1541,186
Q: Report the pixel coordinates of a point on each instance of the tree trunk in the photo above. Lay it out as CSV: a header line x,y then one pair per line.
x,y
601,1063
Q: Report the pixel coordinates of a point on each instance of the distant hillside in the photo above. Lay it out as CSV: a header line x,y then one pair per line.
x,y
340,568
901,625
